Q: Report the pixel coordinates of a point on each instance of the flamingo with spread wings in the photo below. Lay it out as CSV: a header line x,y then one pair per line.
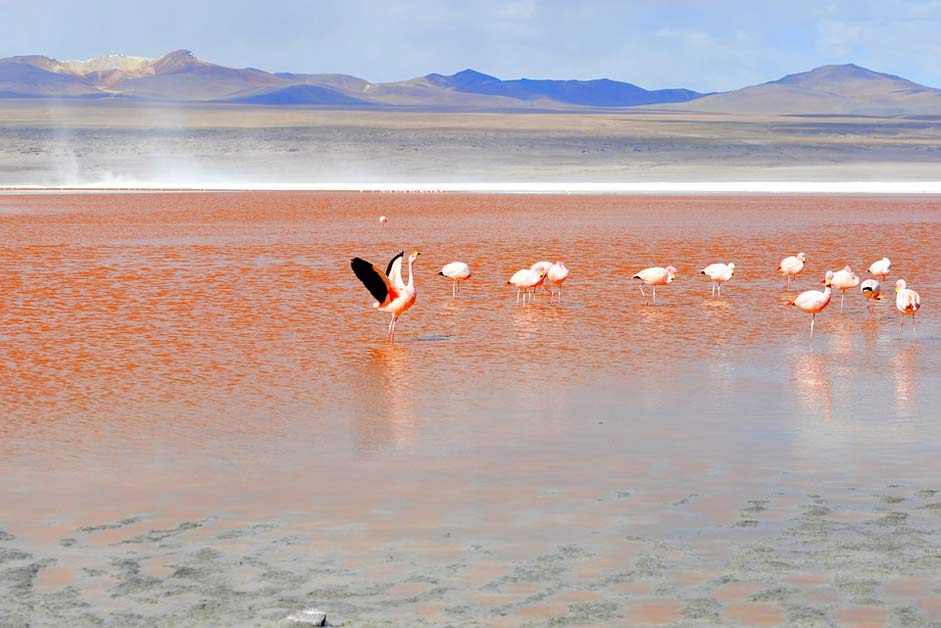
x,y
392,294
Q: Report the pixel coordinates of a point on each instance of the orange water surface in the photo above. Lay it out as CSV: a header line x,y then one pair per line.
x,y
186,355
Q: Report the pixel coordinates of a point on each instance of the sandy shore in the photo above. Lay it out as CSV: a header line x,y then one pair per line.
x,y
849,557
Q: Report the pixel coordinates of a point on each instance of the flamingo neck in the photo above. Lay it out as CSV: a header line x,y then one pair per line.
x,y
411,275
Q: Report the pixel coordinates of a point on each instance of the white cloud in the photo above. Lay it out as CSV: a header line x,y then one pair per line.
x,y
519,10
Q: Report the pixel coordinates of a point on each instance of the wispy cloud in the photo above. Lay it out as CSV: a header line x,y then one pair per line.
x,y
687,36
842,37
518,10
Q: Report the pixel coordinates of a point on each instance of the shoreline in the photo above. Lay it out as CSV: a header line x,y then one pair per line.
x,y
526,187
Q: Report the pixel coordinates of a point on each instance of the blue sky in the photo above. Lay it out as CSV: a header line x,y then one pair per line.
x,y
702,45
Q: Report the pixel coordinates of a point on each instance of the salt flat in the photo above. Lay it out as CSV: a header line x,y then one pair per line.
x,y
55,143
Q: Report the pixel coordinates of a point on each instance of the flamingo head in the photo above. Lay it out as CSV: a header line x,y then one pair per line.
x,y
731,266
829,278
413,256
671,273
802,257
899,285
848,269
383,220
543,272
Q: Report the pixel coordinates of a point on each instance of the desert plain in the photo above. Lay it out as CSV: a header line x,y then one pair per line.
x,y
49,142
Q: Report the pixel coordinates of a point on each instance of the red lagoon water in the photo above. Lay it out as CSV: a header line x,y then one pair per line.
x,y
190,354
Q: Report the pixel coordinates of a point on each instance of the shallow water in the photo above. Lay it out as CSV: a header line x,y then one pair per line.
x,y
211,358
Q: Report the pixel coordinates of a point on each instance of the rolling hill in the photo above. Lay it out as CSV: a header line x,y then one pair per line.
x,y
827,90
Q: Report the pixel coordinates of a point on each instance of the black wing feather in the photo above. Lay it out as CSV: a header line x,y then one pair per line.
x,y
392,261
371,278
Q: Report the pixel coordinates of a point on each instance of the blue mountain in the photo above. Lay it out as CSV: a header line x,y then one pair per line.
x,y
302,95
594,93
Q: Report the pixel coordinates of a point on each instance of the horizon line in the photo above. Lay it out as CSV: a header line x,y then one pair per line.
x,y
520,187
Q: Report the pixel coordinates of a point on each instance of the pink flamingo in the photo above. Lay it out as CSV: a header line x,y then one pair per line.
x,y
813,301
792,265
391,293
719,274
655,276
526,282
871,289
907,303
843,280
383,220
557,274
881,268
543,265
456,272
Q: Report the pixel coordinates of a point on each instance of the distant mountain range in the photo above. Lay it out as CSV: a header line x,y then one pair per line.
x,y
182,77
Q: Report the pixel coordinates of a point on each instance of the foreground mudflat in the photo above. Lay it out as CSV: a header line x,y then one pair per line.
x,y
203,425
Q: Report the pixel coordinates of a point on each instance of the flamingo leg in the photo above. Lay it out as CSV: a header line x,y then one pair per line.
x,y
788,282
901,322
391,335
560,293
517,297
655,295
813,318
719,289
842,296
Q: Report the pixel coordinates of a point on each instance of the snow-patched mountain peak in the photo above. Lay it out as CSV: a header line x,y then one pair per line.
x,y
104,63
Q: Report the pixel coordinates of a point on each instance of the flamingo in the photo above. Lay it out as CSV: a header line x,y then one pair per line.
x,y
456,272
525,280
813,301
391,293
383,220
655,276
871,290
880,268
792,265
719,274
543,265
907,303
843,280
557,274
